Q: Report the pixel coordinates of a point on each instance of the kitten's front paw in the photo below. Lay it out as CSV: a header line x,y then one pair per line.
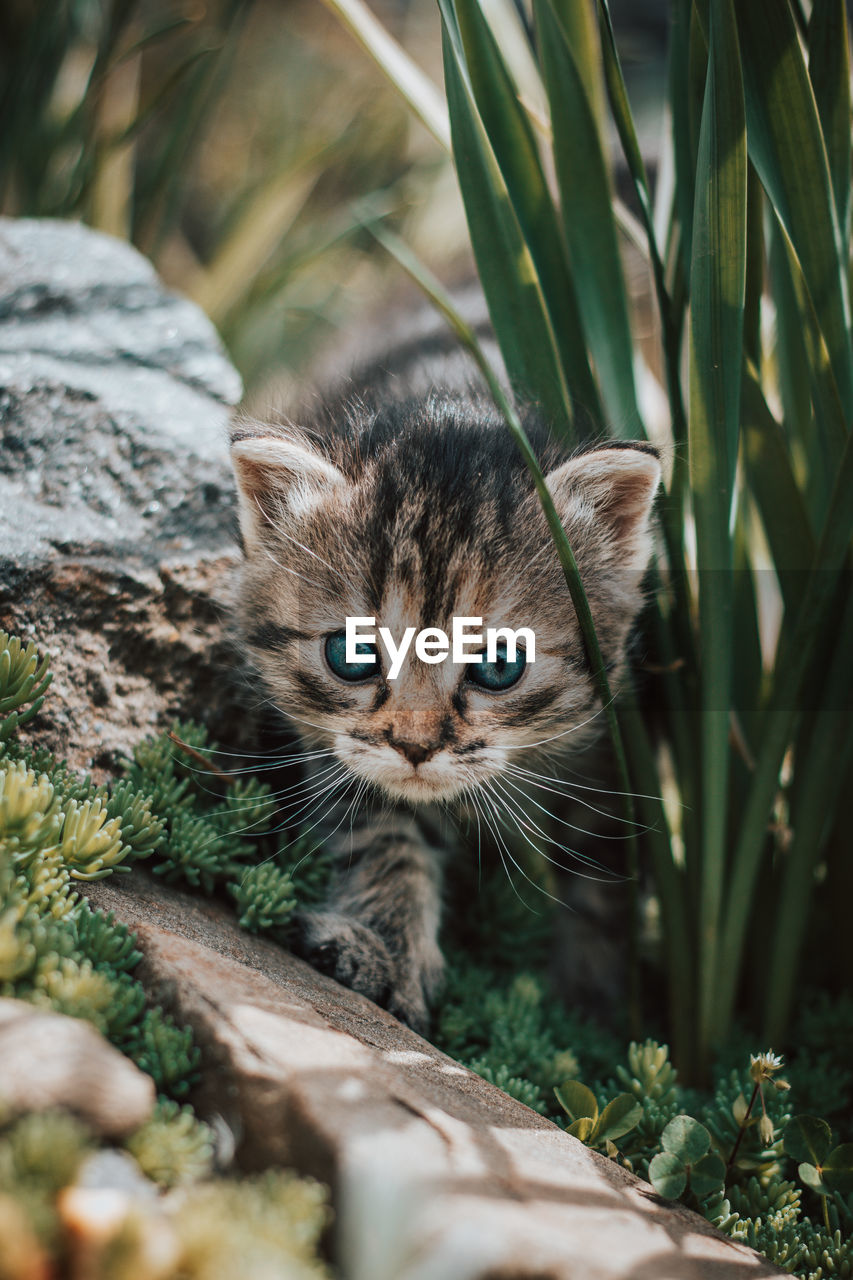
x,y
356,956
347,951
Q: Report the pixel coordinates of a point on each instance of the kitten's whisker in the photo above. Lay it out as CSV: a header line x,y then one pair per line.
x,y
299,757
603,813
351,813
318,789
322,838
271,756
303,834
475,800
526,823
272,796
353,778
491,802
571,825
604,791
467,796
308,800
343,785
291,715
250,827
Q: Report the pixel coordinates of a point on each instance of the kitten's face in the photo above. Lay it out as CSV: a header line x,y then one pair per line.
x,y
450,528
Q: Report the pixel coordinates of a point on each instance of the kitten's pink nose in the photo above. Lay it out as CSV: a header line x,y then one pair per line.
x,y
415,752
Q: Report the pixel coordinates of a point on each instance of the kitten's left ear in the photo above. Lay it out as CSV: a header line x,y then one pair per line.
x,y
616,486
278,478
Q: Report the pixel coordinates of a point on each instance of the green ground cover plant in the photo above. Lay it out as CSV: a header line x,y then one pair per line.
x,y
58,830
741,1151
761,1152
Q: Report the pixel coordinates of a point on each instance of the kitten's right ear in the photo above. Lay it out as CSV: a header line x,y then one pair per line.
x,y
278,479
612,487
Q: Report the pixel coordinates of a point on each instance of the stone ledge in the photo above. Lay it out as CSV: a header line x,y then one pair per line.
x,y
435,1174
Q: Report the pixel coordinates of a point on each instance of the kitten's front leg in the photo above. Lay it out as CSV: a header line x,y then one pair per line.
x,y
378,932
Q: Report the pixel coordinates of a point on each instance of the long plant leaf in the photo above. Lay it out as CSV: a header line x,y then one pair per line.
x,y
790,362
588,224
717,283
829,413
791,669
507,271
829,71
821,773
618,96
772,483
787,148
577,18
512,140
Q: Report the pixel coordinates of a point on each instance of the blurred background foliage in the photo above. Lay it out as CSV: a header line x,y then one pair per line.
x,y
240,144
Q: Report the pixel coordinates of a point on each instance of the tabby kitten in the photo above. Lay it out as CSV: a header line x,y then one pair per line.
x,y
416,510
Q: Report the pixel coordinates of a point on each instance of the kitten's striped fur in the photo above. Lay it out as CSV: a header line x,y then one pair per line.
x,y
414,510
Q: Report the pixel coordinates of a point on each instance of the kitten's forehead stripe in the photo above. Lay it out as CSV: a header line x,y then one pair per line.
x,y
271,635
321,695
526,706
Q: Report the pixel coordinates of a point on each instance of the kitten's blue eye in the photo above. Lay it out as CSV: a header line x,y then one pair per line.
x,y
336,656
500,674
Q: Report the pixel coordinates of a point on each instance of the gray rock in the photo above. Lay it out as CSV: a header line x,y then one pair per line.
x,y
114,395
49,1060
436,1174
117,533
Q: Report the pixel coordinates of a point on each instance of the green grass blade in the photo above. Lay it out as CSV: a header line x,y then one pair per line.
x,y
826,397
511,136
717,284
787,148
821,774
577,18
588,224
829,71
791,669
506,269
670,882
772,483
789,355
754,267
688,65
621,110
747,671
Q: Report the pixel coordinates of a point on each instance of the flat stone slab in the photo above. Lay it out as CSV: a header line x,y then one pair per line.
x,y
435,1174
